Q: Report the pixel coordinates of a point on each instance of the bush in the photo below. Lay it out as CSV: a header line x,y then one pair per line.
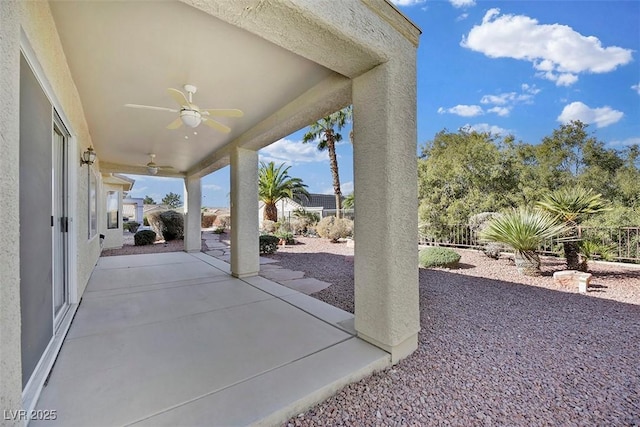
x,y
208,219
287,236
492,250
144,237
218,230
268,244
438,257
155,222
269,226
172,225
333,228
145,221
131,226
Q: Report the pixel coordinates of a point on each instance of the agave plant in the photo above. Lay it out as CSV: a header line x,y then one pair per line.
x,y
571,206
524,230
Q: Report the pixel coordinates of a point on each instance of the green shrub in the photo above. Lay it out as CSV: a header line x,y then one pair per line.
x,y
144,237
145,221
131,226
218,230
268,244
287,236
333,228
438,257
172,225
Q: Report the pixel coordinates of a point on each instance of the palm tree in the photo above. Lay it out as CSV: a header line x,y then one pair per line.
x,y
524,230
274,184
571,206
325,133
349,201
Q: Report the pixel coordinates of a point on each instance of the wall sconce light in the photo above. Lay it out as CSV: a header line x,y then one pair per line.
x,y
88,157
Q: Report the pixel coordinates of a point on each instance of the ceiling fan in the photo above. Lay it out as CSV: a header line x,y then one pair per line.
x,y
153,168
190,114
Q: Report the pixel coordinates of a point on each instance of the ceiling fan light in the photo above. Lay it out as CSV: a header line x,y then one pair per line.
x,y
190,118
153,170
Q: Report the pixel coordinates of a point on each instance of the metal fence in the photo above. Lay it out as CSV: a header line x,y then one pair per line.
x,y
623,241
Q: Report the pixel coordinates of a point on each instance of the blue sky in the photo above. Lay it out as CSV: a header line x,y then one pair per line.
x,y
510,67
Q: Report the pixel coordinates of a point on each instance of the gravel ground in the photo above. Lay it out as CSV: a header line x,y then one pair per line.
x,y
495,349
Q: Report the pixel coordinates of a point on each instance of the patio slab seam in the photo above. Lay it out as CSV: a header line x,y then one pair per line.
x,y
106,293
244,380
171,319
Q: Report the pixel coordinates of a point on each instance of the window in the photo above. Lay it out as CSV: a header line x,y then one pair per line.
x,y
112,209
93,203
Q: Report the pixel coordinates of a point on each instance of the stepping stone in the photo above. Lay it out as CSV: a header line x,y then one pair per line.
x,y
216,245
264,267
280,274
265,260
307,285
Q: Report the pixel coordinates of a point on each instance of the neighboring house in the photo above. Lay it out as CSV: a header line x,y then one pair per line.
x,y
322,204
67,69
133,209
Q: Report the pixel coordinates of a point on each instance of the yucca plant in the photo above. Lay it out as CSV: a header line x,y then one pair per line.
x,y
524,230
571,206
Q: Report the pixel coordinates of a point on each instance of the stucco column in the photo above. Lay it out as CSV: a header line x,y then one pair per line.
x,y
386,209
10,320
245,258
192,204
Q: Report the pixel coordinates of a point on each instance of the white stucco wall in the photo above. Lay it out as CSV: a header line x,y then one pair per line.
x,y
43,50
10,360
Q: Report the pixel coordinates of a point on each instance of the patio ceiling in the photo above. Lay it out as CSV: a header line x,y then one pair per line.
x,y
131,52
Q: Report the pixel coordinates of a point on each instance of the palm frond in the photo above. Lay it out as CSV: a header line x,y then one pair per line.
x,y
572,205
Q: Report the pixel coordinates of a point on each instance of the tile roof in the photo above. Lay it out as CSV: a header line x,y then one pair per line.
x,y
326,201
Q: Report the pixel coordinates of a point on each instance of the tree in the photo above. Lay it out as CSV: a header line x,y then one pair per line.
x,y
274,184
148,200
572,206
464,173
324,132
349,201
172,200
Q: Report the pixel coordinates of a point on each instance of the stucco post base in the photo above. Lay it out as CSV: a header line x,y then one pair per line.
x,y
193,203
245,257
398,351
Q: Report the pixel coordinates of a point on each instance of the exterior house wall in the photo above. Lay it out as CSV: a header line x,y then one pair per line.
x,y
10,353
30,26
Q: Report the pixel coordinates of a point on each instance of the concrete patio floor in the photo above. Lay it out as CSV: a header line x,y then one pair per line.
x,y
173,339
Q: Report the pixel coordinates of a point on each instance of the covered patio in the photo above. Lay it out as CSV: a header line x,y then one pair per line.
x,y
69,70
173,339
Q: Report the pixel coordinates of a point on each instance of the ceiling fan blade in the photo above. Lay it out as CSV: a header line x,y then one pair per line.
x,y
175,124
179,97
223,112
216,125
149,107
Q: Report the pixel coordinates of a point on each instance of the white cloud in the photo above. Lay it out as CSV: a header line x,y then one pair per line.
x,y
213,187
636,88
462,17
602,117
462,3
501,111
463,110
345,187
407,2
292,152
626,142
556,51
486,127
